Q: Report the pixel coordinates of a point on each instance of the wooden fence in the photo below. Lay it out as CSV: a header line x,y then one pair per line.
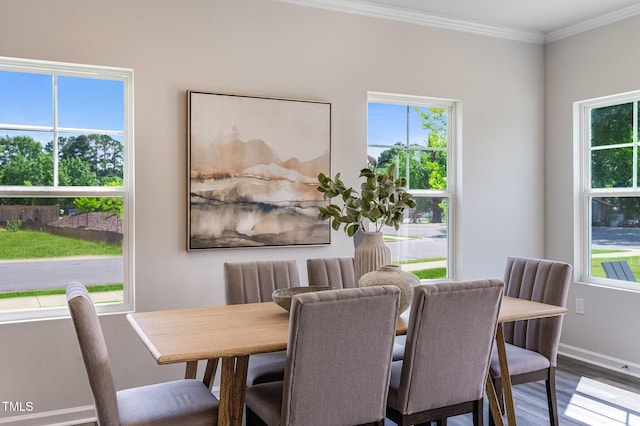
x,y
42,218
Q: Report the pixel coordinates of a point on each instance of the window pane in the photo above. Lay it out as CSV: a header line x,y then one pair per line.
x,y
90,160
612,125
90,103
387,124
612,168
416,140
615,237
26,99
413,138
25,161
47,242
421,243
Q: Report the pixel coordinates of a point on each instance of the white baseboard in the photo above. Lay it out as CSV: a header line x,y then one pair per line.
x,y
66,417
604,361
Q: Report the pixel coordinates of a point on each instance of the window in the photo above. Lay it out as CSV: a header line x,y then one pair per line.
x,y
66,186
610,195
418,135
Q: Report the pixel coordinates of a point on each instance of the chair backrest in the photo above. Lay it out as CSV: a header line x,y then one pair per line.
x,y
251,282
539,280
322,388
94,353
451,332
338,272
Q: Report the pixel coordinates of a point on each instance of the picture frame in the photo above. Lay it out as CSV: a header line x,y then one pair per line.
x,y
253,164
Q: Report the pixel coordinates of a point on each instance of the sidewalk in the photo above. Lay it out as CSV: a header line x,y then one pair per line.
x,y
35,302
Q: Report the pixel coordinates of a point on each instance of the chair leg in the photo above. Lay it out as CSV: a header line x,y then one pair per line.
x,y
478,414
551,397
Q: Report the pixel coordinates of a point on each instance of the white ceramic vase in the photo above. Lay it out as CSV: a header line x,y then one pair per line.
x,y
392,274
371,253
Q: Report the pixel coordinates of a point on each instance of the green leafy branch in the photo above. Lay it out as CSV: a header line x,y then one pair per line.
x,y
382,199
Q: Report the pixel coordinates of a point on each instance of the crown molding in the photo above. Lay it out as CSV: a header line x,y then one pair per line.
x,y
590,24
360,7
365,8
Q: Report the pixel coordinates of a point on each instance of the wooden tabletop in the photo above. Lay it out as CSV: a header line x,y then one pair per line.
x,y
514,309
185,335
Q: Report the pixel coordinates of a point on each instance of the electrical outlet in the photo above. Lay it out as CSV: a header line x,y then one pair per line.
x,y
579,306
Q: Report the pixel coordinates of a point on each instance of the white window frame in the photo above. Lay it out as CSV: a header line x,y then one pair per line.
x,y
584,192
126,191
453,109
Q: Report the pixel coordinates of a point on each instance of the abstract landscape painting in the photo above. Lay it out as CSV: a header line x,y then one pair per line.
x,y
253,168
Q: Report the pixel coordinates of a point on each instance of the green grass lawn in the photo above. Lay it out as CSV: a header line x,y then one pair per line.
x,y
427,273
40,245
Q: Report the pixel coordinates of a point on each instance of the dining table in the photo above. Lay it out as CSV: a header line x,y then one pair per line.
x,y
233,333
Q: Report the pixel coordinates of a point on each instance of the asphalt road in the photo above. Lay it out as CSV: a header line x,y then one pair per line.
x,y
56,273
430,240
427,240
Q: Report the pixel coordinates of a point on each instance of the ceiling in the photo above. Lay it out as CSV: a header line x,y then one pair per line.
x,y
529,20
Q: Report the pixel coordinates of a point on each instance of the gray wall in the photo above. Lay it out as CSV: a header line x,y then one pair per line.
x,y
259,47
598,63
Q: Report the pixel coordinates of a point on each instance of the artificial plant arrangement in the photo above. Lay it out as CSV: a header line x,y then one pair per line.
x,y
382,199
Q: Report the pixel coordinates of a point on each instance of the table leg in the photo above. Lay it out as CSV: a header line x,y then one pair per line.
x,y
210,372
494,406
506,377
192,369
233,383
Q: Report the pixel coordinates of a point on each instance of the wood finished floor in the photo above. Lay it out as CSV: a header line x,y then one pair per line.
x,y
587,395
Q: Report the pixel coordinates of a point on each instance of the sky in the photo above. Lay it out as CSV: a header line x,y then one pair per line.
x,y
387,124
27,99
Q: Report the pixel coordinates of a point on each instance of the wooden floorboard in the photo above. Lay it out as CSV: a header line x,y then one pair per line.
x,y
587,395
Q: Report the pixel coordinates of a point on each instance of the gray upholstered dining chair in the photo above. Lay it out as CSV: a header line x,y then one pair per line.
x,y
320,388
450,336
169,403
252,282
532,345
338,272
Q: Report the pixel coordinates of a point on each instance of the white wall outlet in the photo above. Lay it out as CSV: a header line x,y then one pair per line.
x,y
579,306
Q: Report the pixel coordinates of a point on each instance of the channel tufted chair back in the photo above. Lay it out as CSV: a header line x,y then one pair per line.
x,y
337,272
251,282
539,280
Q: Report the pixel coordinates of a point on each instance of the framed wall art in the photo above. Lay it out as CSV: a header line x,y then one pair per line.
x,y
253,164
